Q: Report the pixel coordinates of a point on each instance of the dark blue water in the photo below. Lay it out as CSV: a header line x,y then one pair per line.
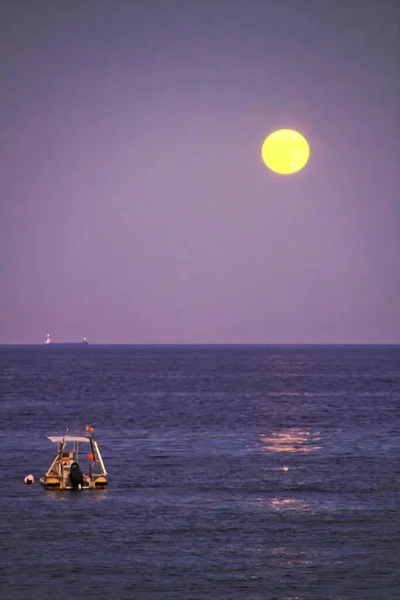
x,y
234,472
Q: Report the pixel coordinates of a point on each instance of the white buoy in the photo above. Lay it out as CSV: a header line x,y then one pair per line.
x,y
286,468
29,479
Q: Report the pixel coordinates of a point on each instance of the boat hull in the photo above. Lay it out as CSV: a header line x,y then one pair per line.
x,y
51,483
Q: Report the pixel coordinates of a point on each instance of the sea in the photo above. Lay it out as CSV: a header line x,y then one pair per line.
x,y
235,472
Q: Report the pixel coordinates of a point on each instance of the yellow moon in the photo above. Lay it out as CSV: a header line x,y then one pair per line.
x,y
285,151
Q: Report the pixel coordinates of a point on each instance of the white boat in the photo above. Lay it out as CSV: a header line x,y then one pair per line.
x,y
66,473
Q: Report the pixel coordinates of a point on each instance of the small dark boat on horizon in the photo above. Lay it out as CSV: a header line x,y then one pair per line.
x,y
49,342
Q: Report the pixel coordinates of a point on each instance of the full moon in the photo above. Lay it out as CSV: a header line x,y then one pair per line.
x,y
285,151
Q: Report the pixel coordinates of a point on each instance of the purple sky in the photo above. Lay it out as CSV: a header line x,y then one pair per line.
x,y
134,205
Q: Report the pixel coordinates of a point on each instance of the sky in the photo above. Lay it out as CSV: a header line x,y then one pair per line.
x,y
134,203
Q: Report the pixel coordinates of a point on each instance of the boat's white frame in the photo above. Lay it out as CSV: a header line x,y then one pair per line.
x,y
77,439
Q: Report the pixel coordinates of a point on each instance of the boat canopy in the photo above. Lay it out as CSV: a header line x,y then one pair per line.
x,y
58,439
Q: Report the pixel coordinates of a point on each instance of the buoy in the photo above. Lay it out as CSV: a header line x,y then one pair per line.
x,y
286,468
29,479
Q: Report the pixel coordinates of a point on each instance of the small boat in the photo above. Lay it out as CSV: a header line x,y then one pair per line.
x,y
65,472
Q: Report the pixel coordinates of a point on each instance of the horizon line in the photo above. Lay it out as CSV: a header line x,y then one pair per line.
x,y
187,344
